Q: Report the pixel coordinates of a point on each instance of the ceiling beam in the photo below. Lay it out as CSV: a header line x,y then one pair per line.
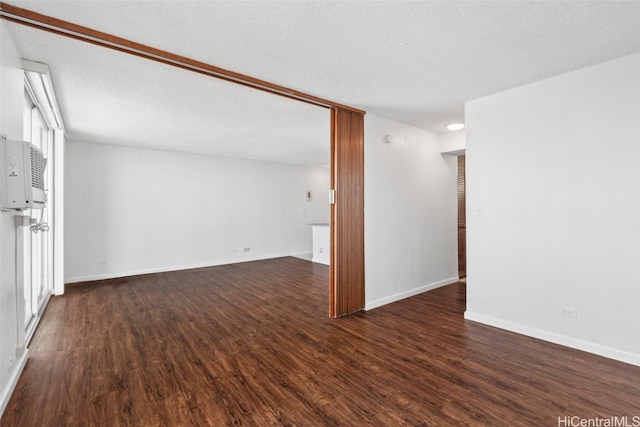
x,y
85,34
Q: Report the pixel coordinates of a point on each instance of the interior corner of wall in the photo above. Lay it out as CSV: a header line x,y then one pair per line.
x,y
453,143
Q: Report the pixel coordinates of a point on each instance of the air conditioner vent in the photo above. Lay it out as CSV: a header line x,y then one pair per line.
x,y
37,168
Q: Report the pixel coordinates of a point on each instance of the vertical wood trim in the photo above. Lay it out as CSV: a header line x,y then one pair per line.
x,y
347,213
462,224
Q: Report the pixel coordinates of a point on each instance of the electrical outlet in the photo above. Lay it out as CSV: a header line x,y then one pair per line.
x,y
568,311
320,251
10,364
247,249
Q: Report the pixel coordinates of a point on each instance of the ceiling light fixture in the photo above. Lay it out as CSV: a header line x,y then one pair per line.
x,y
455,126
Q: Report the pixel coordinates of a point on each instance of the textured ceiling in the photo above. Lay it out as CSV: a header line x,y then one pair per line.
x,y
109,97
415,62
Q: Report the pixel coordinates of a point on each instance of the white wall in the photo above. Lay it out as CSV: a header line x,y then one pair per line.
x,y
131,210
553,209
11,104
453,143
410,212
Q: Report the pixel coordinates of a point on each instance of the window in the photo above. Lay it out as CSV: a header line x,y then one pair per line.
x,y
37,254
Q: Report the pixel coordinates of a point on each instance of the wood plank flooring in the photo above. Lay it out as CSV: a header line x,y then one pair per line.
x,y
251,344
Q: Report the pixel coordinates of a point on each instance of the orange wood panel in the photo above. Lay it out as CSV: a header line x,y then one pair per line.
x,y
347,213
462,224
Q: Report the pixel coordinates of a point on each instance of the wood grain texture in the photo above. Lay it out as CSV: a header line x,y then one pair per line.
x,y
251,345
462,218
347,213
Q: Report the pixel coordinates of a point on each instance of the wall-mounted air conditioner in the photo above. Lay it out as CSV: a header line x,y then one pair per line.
x,y
22,166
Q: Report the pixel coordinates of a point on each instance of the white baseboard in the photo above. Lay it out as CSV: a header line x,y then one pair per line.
x,y
600,350
13,380
320,261
406,294
115,275
307,256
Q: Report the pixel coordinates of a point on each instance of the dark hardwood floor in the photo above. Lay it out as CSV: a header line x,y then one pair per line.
x,y
252,344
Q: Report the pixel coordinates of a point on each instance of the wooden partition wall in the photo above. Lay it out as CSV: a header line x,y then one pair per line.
x,y
347,149
347,213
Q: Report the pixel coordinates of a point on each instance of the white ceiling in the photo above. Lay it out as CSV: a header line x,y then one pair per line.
x,y
414,62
